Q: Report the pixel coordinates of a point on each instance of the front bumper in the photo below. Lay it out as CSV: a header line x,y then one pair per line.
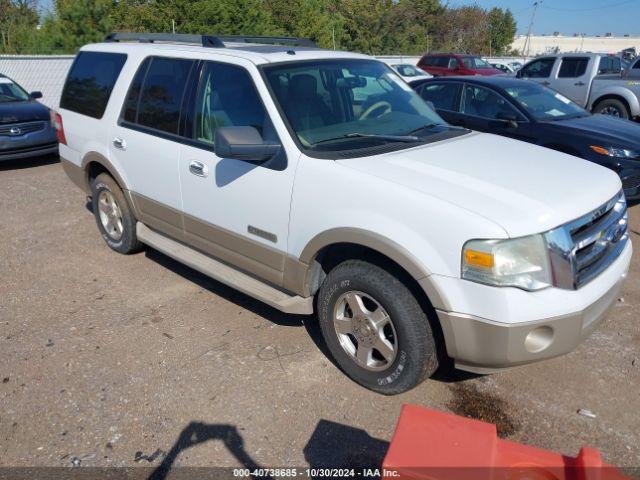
x,y
41,142
482,345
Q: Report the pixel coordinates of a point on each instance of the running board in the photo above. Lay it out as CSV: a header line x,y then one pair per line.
x,y
224,273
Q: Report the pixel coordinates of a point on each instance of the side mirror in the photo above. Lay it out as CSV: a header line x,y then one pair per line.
x,y
35,95
243,143
509,118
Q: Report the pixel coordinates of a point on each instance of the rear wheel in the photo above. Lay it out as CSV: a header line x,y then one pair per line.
x,y
613,107
375,328
115,221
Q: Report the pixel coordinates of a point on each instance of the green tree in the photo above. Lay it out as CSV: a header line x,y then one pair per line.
x,y
18,23
502,30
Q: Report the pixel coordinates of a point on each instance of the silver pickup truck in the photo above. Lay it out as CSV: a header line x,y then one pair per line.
x,y
592,80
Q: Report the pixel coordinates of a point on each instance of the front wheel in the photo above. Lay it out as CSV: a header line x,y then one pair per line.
x,y
613,107
375,329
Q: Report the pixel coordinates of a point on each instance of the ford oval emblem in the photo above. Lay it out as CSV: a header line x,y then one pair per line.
x,y
15,131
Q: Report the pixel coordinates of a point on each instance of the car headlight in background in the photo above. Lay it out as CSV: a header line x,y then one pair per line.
x,y
615,152
516,262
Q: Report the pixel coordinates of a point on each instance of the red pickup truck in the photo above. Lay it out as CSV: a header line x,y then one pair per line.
x,y
447,64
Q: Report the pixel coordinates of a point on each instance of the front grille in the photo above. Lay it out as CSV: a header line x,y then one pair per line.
x,y
631,183
582,249
22,128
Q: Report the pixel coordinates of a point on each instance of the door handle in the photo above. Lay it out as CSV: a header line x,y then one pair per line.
x,y
579,84
198,168
119,143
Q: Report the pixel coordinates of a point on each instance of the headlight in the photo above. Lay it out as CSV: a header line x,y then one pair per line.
x,y
517,262
615,152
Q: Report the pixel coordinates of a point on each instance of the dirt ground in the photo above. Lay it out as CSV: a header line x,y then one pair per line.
x,y
111,360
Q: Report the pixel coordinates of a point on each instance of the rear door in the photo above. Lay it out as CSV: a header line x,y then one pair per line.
x,y
572,78
145,140
445,97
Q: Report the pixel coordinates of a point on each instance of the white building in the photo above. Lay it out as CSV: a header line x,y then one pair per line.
x,y
608,43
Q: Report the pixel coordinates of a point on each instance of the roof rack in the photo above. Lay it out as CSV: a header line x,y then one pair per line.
x,y
207,41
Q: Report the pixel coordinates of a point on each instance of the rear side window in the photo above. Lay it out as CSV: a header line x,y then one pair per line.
x,y
90,82
573,67
156,93
637,65
444,96
609,65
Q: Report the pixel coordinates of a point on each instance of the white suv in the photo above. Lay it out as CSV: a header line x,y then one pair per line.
x,y
318,181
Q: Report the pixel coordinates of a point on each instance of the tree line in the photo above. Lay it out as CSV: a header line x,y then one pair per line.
x,y
378,27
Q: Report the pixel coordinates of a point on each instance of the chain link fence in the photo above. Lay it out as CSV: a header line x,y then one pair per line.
x,y
44,73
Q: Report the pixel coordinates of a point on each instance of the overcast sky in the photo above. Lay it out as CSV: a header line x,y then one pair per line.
x,y
593,17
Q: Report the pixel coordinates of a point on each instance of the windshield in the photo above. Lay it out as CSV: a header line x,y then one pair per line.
x,y
408,70
543,103
335,105
475,63
11,92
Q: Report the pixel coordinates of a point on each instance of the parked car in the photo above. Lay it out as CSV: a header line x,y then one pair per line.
x,y
306,177
25,124
410,72
503,67
445,64
534,113
592,80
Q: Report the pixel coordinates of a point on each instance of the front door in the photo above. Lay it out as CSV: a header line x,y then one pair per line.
x,y
237,211
573,81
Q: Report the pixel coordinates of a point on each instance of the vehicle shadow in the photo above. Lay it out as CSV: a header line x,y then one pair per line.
x,y
447,373
29,162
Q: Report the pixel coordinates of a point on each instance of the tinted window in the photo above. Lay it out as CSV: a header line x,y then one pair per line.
x,y
637,65
475,63
131,103
91,81
539,68
445,96
485,103
227,97
161,95
454,64
573,67
441,62
11,92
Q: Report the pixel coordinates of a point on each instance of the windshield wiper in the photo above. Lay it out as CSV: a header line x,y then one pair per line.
x,y
427,126
388,138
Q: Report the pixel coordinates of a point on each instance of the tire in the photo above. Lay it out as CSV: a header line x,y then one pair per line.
x,y
108,203
371,288
613,107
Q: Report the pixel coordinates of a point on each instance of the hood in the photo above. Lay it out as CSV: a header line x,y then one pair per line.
x,y
15,112
605,128
523,188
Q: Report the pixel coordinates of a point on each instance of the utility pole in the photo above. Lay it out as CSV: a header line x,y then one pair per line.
x,y
173,26
527,43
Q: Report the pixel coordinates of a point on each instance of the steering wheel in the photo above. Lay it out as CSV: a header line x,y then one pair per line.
x,y
374,107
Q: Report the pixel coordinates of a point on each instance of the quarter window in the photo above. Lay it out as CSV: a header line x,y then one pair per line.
x,y
538,68
573,67
227,97
90,82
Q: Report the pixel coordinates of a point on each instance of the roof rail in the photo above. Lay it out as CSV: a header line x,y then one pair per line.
x,y
208,41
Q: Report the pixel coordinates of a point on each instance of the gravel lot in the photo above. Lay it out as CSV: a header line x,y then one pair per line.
x,y
111,360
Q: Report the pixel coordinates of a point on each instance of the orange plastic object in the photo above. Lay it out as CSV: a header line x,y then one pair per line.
x,y
440,446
